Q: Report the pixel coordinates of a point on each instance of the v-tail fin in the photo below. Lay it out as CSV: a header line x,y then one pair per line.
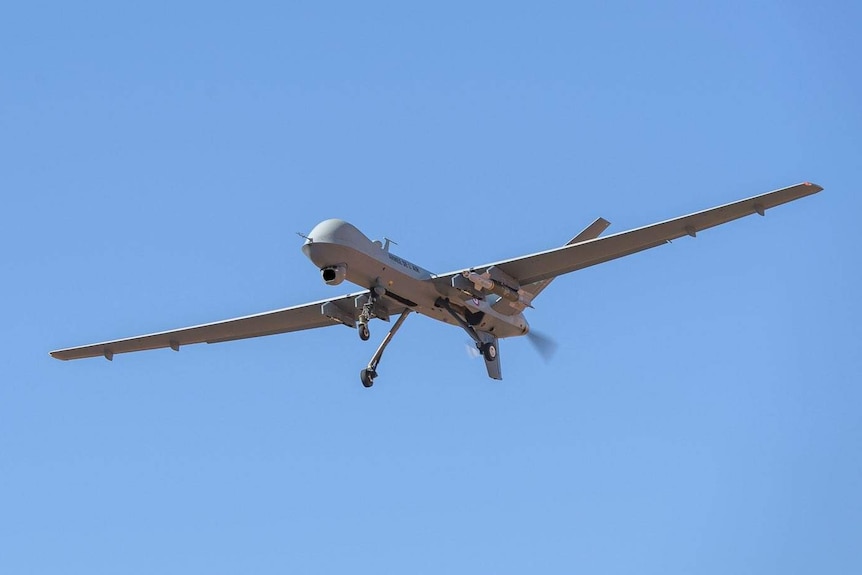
x,y
591,232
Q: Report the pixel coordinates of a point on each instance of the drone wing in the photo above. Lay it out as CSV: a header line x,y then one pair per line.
x,y
569,258
297,318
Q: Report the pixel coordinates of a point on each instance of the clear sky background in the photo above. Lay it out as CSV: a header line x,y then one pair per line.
x,y
703,413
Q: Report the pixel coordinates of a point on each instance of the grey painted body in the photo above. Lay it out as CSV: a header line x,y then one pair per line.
x,y
336,242
486,301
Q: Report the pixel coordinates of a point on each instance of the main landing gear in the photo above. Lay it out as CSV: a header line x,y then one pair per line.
x,y
367,377
487,346
488,350
368,374
486,342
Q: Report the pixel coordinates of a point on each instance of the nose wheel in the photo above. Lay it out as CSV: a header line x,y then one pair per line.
x,y
364,334
368,312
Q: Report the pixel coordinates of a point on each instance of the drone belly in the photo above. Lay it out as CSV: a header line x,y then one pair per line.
x,y
485,318
405,284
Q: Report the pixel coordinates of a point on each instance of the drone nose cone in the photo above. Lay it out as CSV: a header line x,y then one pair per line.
x,y
337,232
326,243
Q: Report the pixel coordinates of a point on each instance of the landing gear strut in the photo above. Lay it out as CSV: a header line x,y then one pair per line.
x,y
486,342
368,374
487,348
368,312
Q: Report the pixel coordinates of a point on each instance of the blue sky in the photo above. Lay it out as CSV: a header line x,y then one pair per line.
x,y
702,413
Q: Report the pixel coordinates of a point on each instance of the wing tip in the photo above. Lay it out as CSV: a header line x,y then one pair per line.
x,y
58,354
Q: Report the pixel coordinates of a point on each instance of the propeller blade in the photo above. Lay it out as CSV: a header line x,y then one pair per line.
x,y
543,344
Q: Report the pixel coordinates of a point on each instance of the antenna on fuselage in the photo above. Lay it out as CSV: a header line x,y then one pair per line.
x,y
386,245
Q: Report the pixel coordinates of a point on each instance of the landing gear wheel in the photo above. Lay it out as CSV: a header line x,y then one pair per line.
x,y
367,376
364,334
489,351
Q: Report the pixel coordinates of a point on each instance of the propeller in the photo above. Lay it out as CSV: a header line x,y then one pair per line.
x,y
542,344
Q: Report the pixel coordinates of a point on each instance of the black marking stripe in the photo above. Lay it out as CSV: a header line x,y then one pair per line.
x,y
400,299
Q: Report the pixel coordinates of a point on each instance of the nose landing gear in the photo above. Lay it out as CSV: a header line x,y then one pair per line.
x,y
364,333
368,312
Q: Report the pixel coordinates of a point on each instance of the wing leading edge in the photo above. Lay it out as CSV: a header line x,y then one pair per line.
x,y
552,263
297,318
